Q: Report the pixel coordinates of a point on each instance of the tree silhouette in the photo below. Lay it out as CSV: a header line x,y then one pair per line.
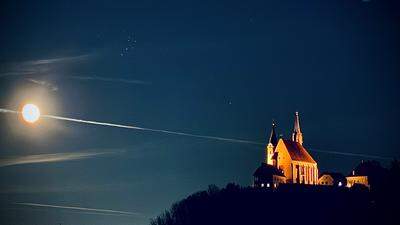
x,y
292,204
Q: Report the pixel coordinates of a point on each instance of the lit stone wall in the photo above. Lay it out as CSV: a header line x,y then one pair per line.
x,y
351,180
304,172
295,171
284,163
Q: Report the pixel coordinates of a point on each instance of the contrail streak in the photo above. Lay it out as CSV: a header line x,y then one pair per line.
x,y
106,211
152,130
351,154
190,135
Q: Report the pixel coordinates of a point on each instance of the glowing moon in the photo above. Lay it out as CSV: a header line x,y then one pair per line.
x,y
30,113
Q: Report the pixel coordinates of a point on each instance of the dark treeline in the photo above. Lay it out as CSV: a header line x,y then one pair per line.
x,y
293,204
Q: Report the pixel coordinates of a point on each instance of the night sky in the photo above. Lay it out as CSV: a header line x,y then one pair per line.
x,y
222,69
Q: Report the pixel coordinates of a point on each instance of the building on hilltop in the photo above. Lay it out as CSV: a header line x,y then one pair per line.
x,y
359,175
268,176
289,157
332,179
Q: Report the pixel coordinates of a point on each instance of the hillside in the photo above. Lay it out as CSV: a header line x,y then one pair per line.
x,y
289,204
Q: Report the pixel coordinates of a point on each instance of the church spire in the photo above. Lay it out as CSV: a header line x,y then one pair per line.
x,y
297,136
272,137
270,149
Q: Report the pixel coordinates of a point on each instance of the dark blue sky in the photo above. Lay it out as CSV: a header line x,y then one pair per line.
x,y
221,68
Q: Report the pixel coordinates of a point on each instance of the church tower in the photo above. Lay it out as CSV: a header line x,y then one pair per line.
x,y
297,136
271,146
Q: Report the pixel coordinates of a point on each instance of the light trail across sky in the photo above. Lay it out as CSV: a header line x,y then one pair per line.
x,y
189,134
152,130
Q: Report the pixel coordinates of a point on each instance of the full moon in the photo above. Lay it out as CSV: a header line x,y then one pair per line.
x,y
30,113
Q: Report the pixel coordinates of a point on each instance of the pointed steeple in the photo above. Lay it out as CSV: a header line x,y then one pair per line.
x,y
297,136
272,137
270,149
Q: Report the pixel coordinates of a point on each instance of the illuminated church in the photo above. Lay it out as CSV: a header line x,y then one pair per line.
x,y
286,161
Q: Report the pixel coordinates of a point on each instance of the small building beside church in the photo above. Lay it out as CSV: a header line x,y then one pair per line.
x,y
332,179
354,179
268,176
359,175
287,157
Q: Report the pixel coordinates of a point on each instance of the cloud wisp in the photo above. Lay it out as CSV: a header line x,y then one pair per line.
x,y
108,212
40,66
67,59
67,188
234,140
8,111
43,83
48,158
49,67
16,73
108,79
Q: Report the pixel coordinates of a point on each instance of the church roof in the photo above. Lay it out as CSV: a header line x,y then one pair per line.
x,y
367,168
296,128
267,170
297,152
334,175
272,137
